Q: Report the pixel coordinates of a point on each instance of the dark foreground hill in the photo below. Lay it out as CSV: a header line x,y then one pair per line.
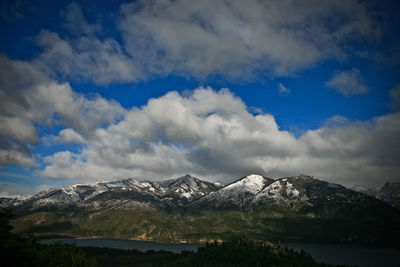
x,y
186,209
234,253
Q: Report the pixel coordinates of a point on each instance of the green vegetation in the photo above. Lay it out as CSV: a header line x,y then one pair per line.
x,y
209,225
17,250
235,253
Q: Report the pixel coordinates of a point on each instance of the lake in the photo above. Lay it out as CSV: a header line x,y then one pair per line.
x,y
126,244
361,256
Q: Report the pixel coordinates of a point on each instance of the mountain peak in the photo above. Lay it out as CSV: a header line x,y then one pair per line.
x,y
188,187
254,176
252,183
304,176
390,193
236,194
187,177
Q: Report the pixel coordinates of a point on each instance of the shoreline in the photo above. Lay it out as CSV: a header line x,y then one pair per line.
x,y
277,243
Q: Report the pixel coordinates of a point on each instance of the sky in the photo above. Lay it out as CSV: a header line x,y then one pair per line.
x,y
156,89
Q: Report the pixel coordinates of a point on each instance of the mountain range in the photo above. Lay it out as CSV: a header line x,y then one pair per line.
x,y
126,193
187,209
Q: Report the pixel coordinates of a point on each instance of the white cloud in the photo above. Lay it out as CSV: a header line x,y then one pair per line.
x,y
28,97
68,136
86,58
20,128
212,135
17,155
348,83
283,89
240,38
206,133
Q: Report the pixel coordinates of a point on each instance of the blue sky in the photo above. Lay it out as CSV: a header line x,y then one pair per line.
x,y
100,90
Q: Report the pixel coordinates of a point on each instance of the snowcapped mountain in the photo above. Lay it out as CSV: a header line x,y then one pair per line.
x,y
295,193
11,200
236,194
59,197
298,193
390,194
7,202
128,192
289,192
293,208
187,186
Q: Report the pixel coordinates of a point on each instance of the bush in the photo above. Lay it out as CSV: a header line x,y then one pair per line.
x,y
18,250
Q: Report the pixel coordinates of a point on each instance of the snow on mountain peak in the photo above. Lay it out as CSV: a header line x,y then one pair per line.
x,y
252,183
218,184
187,186
238,193
248,192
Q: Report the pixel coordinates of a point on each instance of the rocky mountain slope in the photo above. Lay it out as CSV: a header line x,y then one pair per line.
x,y
298,193
299,208
125,193
248,192
238,194
9,202
366,190
390,194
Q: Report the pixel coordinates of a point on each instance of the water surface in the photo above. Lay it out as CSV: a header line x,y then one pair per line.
x,y
361,256
338,254
126,244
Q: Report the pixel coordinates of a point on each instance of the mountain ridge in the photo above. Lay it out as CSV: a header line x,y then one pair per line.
x,y
189,190
297,208
390,194
172,192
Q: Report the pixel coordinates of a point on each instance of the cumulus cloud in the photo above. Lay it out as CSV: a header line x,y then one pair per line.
x,y
205,132
211,134
85,58
16,154
82,55
364,151
240,38
68,136
29,97
348,83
